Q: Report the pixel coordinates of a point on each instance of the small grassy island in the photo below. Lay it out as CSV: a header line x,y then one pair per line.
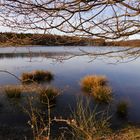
x,y
97,87
13,91
36,76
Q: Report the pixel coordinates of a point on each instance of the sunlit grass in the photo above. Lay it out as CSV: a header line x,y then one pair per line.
x,y
102,93
97,87
90,81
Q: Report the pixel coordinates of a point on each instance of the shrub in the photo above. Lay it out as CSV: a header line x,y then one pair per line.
x,y
122,109
13,91
37,76
47,94
88,82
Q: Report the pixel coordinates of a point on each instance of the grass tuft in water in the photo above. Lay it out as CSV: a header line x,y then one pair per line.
x,y
89,81
102,93
37,76
13,91
97,87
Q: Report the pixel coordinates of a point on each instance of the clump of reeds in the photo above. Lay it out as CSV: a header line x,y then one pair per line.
x,y
87,123
36,76
13,91
97,86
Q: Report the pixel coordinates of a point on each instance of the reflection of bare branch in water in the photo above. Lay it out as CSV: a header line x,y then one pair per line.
x,y
117,56
106,54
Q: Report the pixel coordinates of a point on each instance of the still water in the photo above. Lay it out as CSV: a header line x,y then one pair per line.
x,y
69,65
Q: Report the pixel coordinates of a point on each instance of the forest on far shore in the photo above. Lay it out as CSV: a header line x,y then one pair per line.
x,y
20,39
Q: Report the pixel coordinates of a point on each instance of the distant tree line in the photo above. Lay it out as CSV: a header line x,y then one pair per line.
x,y
47,39
131,43
108,19
14,39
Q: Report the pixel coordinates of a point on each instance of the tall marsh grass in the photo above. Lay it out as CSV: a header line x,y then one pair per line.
x,y
84,123
89,124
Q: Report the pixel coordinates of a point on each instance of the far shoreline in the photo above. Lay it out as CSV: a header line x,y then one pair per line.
x,y
21,46
36,40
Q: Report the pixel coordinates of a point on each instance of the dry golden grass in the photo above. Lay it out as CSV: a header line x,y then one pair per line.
x,y
130,133
102,93
13,91
97,87
90,81
36,76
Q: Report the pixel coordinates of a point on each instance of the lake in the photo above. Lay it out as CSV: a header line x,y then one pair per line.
x,y
69,65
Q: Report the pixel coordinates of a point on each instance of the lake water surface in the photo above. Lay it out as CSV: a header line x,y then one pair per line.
x,y
69,65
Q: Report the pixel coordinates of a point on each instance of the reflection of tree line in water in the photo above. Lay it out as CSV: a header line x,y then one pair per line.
x,y
32,54
84,123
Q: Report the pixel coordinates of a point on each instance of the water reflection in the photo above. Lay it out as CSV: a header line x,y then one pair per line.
x,y
115,54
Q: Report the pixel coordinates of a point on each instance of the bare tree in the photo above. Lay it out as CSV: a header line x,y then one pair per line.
x,y
109,19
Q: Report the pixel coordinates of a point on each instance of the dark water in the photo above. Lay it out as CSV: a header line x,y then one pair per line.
x,y
70,64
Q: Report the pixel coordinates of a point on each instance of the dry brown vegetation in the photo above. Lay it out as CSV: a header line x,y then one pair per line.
x,y
90,81
48,93
58,40
47,39
102,93
132,43
36,76
84,125
13,91
97,87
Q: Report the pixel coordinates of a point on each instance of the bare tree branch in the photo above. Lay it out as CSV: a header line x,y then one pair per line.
x,y
110,19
